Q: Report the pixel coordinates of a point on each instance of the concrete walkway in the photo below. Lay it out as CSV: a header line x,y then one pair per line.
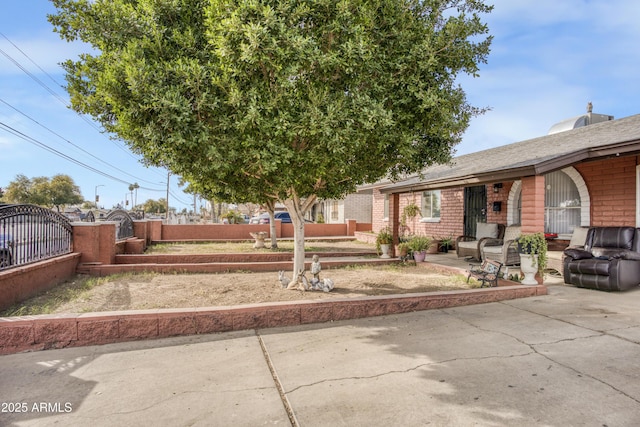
x,y
571,358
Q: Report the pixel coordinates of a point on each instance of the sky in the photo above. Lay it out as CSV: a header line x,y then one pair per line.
x,y
548,59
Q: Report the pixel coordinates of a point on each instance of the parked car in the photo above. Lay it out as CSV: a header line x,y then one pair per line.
x,y
281,215
6,258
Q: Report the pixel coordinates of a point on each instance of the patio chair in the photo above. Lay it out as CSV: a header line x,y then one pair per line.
x,y
486,273
503,250
469,246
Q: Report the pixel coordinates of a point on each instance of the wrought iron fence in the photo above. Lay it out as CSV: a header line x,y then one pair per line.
x,y
124,226
30,233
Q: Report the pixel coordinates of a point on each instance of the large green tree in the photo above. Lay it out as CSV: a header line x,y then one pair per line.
x,y
296,99
60,190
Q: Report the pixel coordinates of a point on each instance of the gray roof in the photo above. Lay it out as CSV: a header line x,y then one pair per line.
x,y
527,158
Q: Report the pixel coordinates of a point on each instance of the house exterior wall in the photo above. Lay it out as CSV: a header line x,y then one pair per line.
x,y
354,206
451,213
612,188
611,184
358,207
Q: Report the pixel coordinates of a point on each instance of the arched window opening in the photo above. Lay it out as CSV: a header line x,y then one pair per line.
x,y
562,203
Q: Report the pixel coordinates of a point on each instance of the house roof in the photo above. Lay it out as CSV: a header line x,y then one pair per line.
x,y
535,156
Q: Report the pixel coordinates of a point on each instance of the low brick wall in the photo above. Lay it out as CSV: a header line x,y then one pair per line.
x,y
20,283
32,333
186,232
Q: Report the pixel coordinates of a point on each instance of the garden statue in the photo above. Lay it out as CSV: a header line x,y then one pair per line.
x,y
283,280
325,285
315,267
301,283
259,237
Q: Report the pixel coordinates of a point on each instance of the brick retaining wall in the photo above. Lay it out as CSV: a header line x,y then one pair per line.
x,y
32,333
20,283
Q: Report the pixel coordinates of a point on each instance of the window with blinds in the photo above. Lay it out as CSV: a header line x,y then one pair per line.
x,y
562,203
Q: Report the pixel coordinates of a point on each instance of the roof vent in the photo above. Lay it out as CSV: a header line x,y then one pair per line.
x,y
580,121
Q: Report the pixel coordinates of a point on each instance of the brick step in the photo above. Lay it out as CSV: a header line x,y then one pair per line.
x,y
222,267
229,258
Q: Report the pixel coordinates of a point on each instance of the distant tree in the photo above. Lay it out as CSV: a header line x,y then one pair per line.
x,y
63,191
134,187
155,206
57,191
295,99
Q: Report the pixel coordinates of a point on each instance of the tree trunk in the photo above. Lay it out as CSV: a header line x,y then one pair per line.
x,y
297,208
271,207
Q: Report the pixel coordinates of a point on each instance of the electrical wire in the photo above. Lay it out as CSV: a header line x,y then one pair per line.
x,y
44,146
69,142
52,92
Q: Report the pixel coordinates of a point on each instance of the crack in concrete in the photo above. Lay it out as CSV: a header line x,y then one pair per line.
x,y
414,368
535,350
283,395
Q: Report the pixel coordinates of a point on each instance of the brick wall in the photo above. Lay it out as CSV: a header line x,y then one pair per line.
x,y
451,213
533,204
612,188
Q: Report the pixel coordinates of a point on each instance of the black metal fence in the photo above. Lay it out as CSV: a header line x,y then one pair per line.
x,y
124,226
30,233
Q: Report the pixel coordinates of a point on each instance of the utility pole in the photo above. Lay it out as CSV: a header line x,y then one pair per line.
x,y
167,210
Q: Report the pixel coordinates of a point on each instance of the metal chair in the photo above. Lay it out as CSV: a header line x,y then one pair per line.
x,y
487,273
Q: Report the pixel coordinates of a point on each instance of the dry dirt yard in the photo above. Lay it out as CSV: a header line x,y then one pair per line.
x,y
151,290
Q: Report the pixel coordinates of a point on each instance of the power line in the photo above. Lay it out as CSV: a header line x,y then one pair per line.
x,y
74,145
83,117
44,146
51,91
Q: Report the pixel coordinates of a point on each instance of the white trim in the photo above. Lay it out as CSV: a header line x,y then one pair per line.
x,y
585,199
514,193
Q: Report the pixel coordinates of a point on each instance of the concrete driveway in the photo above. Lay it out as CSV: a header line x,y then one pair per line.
x,y
571,358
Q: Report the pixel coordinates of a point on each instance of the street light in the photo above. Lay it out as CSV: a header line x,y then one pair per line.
x,y
96,194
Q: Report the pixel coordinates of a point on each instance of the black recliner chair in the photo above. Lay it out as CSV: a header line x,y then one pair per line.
x,y
610,260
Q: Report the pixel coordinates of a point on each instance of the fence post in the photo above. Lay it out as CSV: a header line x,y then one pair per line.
x,y
351,227
155,230
96,242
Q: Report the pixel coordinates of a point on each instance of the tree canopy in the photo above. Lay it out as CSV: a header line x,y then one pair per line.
x,y
284,100
60,190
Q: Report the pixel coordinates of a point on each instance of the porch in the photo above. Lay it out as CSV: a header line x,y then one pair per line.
x,y
450,262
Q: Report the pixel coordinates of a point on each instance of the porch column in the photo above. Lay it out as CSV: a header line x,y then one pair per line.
x,y
394,220
533,189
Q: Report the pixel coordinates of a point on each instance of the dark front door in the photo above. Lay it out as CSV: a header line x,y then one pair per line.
x,y
475,208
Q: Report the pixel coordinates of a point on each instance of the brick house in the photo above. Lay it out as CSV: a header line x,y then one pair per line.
x,y
587,176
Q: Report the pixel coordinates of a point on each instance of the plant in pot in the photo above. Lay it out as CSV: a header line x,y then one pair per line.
x,y
403,250
410,211
419,245
533,256
446,243
383,241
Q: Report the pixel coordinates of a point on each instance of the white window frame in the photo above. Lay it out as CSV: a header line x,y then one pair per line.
x,y
430,218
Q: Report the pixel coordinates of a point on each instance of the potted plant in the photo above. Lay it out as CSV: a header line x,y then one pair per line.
x,y
446,243
434,246
410,211
533,256
383,241
403,249
419,245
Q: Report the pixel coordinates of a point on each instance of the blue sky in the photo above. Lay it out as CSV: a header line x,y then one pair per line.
x,y
548,59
